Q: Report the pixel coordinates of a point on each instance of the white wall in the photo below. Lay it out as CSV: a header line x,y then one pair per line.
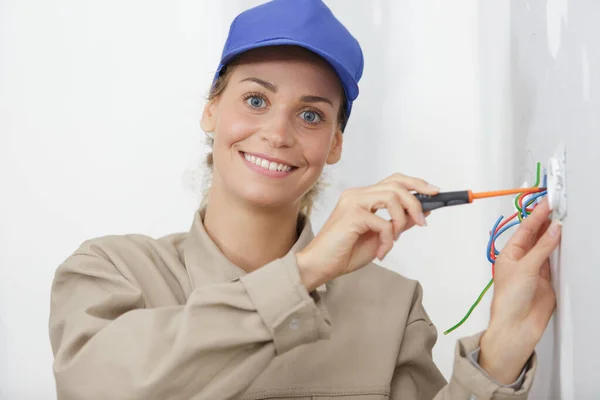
x,y
99,110
554,70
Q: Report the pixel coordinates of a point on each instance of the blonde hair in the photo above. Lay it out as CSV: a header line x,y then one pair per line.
x,y
307,202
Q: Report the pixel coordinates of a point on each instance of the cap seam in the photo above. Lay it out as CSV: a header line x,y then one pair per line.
x,y
362,65
231,29
275,38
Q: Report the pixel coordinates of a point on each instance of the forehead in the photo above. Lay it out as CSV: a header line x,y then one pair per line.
x,y
290,66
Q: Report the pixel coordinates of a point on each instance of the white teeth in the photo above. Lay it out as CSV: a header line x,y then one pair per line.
x,y
271,166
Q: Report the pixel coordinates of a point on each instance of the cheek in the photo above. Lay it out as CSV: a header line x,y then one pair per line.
x,y
316,148
234,126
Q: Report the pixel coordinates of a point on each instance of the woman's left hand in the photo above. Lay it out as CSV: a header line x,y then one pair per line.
x,y
523,297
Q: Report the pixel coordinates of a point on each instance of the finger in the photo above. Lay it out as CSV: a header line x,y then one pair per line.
x,y
377,197
526,235
542,229
545,271
410,204
534,260
382,227
413,207
407,201
412,183
410,223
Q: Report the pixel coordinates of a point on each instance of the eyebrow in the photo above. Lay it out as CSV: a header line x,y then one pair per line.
x,y
273,88
265,84
316,99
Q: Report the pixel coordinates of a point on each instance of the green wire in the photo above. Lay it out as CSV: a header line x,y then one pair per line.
x,y
462,321
537,183
530,202
484,291
537,179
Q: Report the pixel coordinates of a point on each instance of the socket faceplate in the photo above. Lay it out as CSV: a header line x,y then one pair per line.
x,y
557,183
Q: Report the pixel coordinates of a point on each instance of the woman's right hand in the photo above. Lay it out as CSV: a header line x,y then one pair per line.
x,y
354,235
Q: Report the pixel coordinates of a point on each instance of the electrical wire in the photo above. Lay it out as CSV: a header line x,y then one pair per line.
x,y
537,183
497,193
468,314
524,208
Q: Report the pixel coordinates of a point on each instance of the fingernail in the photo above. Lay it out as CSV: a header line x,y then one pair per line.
x,y
433,188
422,219
554,228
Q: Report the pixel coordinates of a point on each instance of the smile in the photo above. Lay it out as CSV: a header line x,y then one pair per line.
x,y
267,164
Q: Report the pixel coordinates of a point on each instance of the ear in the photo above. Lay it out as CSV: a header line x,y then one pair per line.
x,y
335,151
208,123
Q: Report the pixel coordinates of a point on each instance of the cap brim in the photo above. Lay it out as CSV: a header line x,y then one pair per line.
x,y
348,83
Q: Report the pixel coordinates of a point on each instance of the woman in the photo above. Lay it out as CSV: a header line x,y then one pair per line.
x,y
249,304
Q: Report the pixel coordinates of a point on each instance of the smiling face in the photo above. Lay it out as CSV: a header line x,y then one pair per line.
x,y
275,126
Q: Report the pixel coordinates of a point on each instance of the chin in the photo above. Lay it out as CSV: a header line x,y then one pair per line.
x,y
268,198
259,191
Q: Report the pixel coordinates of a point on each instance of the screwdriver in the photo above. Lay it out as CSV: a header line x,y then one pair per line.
x,y
447,199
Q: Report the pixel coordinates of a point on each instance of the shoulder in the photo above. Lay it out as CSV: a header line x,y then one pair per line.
x,y
111,246
124,252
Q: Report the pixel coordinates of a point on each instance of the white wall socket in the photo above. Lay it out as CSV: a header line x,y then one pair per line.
x,y
557,183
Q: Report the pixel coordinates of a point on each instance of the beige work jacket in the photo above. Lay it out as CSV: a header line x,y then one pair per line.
x,y
139,318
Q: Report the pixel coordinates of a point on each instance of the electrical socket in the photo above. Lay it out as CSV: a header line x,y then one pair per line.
x,y
557,183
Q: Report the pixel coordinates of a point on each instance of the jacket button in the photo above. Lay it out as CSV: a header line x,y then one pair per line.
x,y
294,324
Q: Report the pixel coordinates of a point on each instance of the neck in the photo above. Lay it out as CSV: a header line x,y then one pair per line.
x,y
249,236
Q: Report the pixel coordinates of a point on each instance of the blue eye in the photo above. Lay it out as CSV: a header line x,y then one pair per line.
x,y
255,102
311,117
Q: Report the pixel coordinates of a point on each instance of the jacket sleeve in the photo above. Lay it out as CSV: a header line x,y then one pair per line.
x,y
108,346
417,377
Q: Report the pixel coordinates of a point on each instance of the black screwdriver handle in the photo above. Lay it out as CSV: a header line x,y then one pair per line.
x,y
445,199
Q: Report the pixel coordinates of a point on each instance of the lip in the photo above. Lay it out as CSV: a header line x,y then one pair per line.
x,y
266,157
266,172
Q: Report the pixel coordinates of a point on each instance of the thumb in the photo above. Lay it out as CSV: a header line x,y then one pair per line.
x,y
544,247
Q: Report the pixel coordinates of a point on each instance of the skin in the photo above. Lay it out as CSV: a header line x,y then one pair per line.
x,y
256,214
269,108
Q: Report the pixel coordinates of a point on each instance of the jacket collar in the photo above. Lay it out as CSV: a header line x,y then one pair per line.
x,y
206,264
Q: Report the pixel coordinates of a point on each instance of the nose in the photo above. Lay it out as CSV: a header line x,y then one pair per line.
x,y
278,131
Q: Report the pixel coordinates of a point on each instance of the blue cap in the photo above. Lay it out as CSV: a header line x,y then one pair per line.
x,y
305,23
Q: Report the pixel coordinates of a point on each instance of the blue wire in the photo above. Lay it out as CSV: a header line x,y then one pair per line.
x,y
545,182
494,236
537,197
490,241
524,209
504,229
533,199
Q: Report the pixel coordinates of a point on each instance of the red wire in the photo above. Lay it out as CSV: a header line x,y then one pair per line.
x,y
506,221
493,247
523,196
